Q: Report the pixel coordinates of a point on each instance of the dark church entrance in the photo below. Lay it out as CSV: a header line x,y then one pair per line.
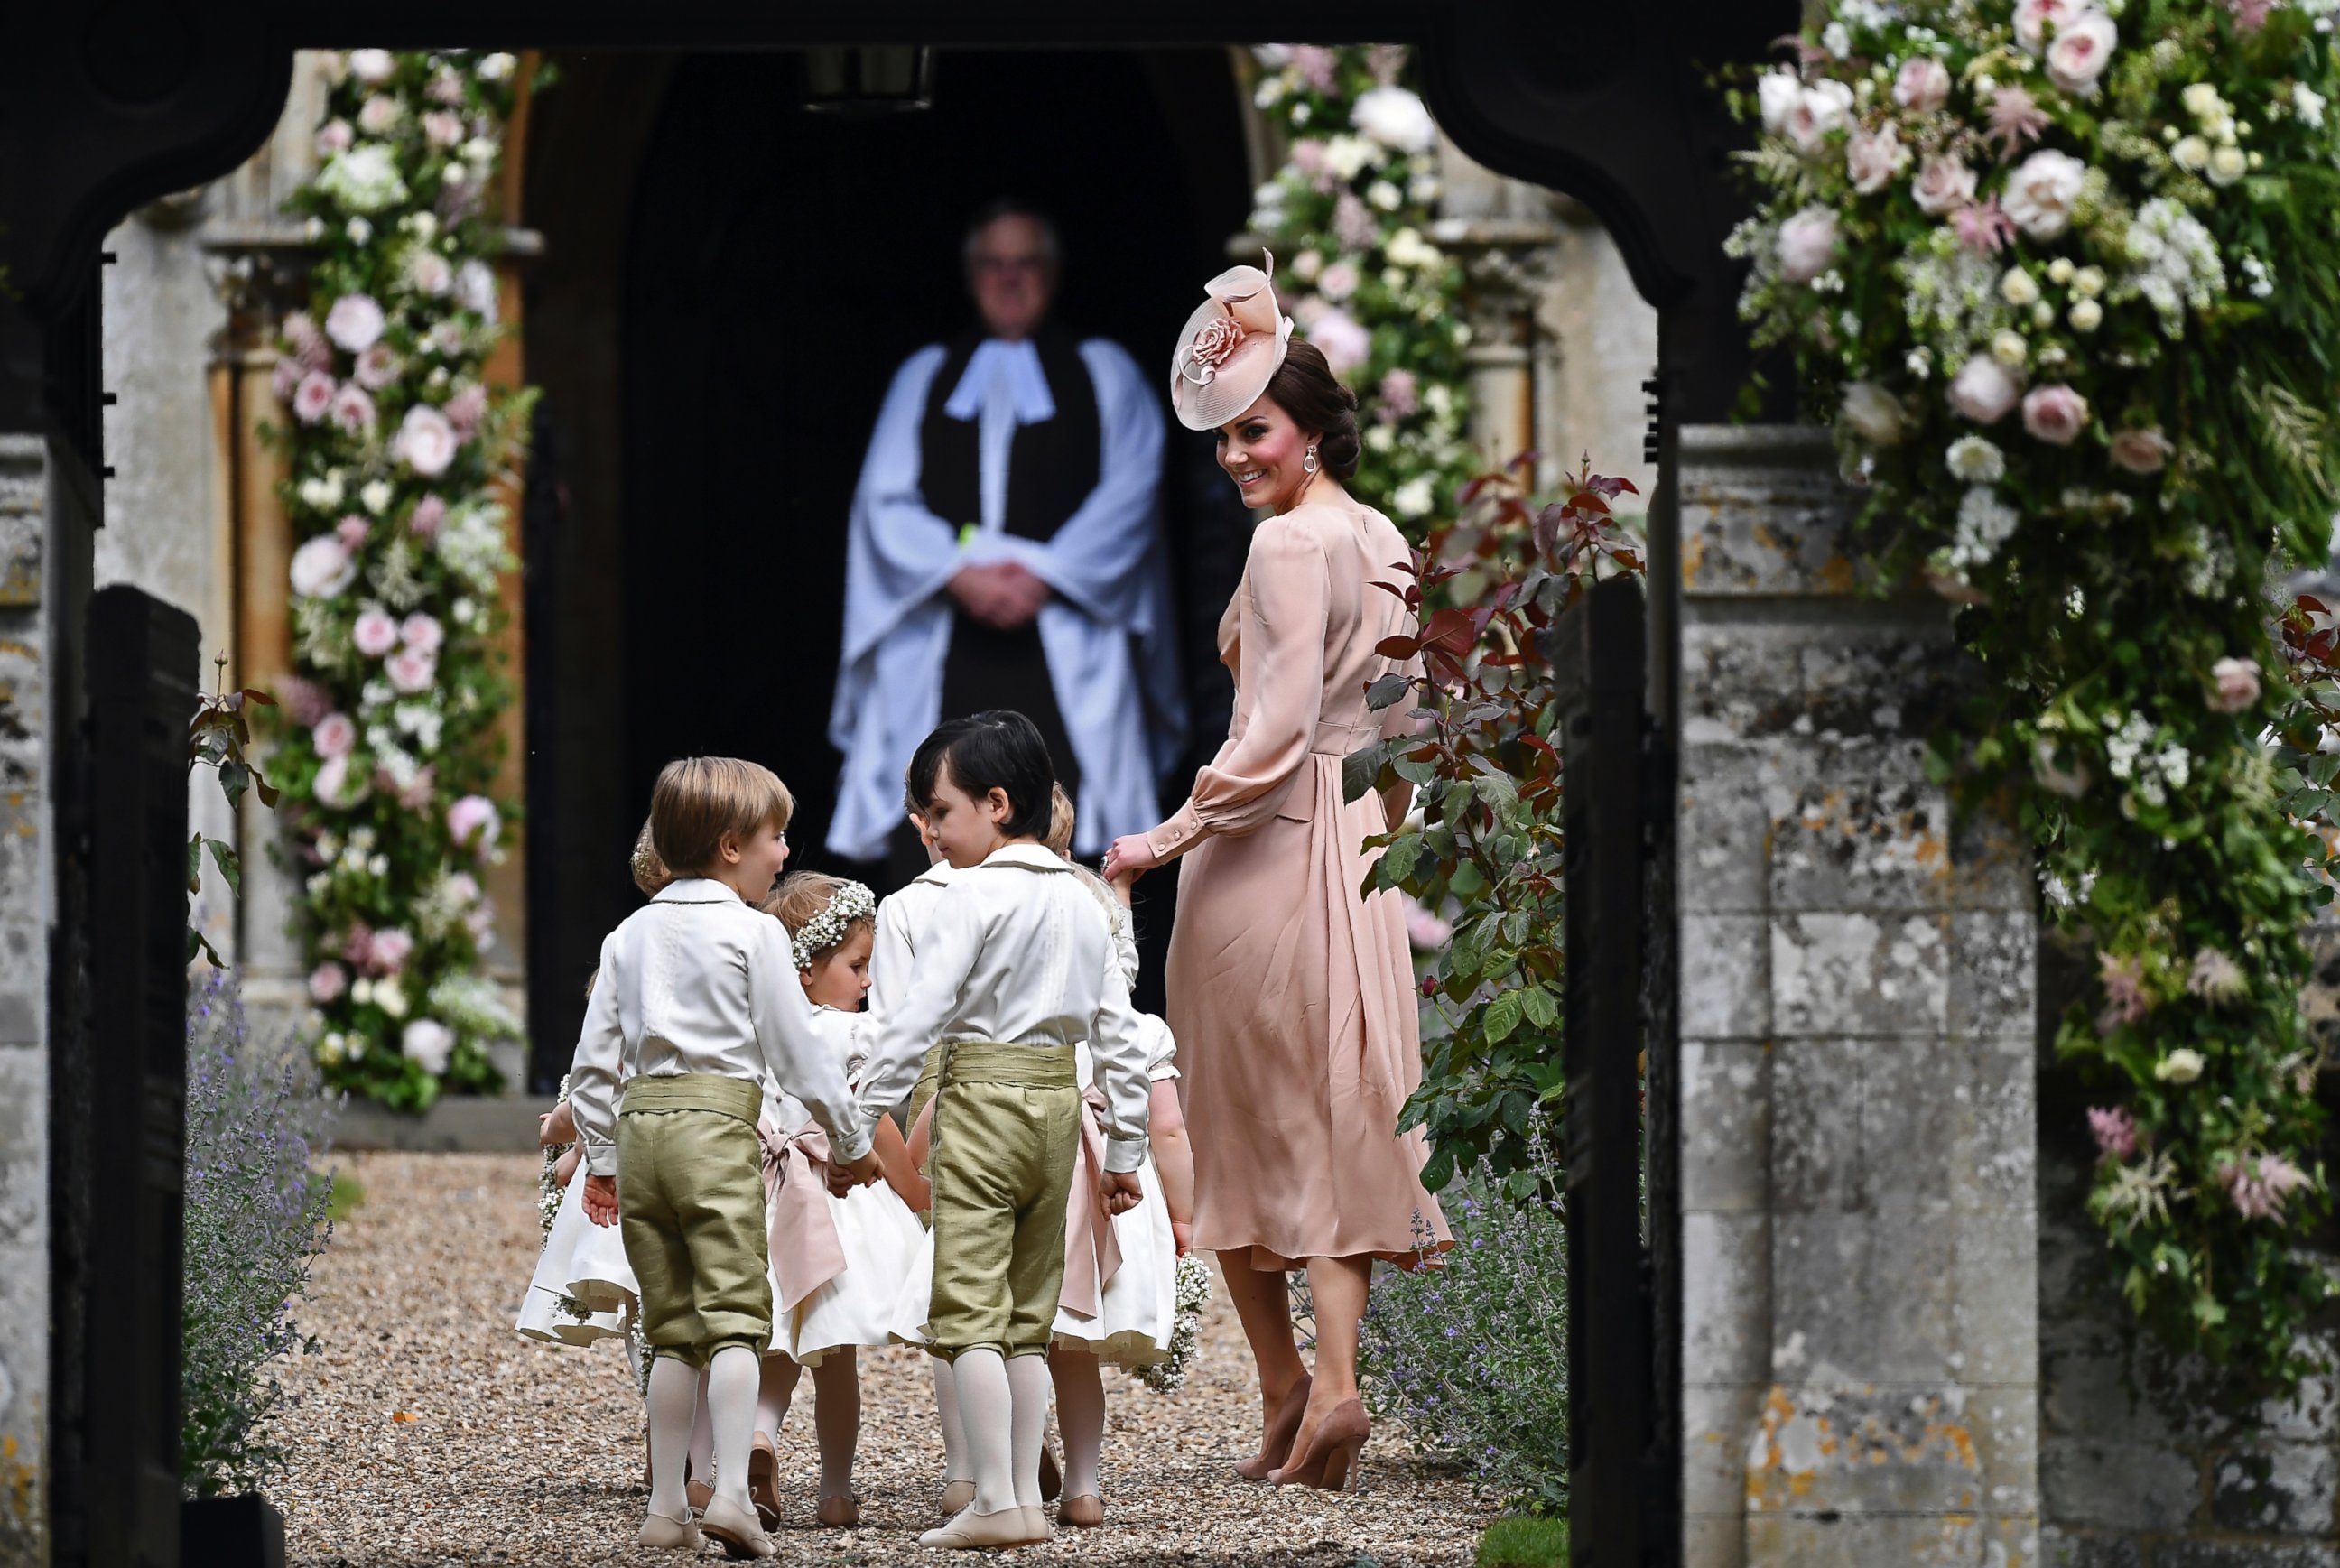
x,y
729,284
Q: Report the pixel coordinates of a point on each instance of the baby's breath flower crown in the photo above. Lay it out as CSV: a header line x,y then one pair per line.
x,y
851,902
2063,275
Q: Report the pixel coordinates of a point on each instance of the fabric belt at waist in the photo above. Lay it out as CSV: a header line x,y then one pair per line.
x,y
1018,1066
741,1097
1340,739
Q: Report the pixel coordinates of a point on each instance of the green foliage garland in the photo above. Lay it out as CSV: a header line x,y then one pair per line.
x,y
2064,274
398,448
1347,217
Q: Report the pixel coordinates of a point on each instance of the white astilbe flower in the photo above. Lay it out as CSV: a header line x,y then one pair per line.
x,y
1985,522
2135,1193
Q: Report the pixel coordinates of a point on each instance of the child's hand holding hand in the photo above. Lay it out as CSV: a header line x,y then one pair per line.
x,y
1123,1191
601,1199
1182,1232
555,1126
844,1178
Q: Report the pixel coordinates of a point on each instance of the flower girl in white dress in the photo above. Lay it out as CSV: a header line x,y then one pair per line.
x,y
837,1263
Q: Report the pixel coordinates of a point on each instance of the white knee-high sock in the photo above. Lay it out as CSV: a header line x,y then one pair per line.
x,y
1080,1416
954,1462
732,1378
776,1392
836,1418
673,1402
986,1410
702,1436
1027,1380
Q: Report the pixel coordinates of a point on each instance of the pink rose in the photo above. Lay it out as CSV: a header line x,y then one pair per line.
x,y
442,129
2082,48
421,634
417,794
340,786
2140,450
335,735
375,633
1984,390
2040,193
1806,245
446,88
429,273
355,323
377,367
305,701
1923,84
2035,20
461,889
354,410
1346,344
2055,414
473,823
391,948
322,567
307,343
466,408
1872,158
426,442
1401,395
411,671
285,377
1339,281
357,946
379,113
1943,185
1820,108
1317,65
333,138
1426,930
428,514
2238,681
353,531
312,397
327,981
2114,1131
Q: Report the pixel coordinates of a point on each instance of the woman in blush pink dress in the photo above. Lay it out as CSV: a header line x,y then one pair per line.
x,y
1291,996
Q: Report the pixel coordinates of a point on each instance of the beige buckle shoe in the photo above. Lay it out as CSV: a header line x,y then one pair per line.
x,y
735,1529
662,1531
971,1530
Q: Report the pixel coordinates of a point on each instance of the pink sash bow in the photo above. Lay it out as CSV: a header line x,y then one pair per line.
x,y
1092,1254
806,1251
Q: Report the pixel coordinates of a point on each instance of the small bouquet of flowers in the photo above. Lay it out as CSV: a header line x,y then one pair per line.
x,y
1194,1289
549,1192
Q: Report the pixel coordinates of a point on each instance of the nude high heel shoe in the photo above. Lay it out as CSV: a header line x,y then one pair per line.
x,y
1331,1461
1275,1446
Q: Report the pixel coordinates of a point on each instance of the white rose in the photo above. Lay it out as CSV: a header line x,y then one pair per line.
x,y
1943,185
1874,413
371,66
2010,349
1414,498
2191,153
2040,193
1394,117
2082,48
1976,461
1984,390
2017,287
2086,315
425,441
2229,164
1806,245
1776,93
428,273
1872,158
496,67
1820,108
2182,1066
475,289
2088,282
322,568
1923,84
376,495
2202,101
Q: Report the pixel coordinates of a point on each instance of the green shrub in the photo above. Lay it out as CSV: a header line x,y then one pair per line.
x,y
1526,1543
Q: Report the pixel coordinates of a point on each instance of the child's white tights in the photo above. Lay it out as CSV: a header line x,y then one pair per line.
x,y
674,1403
987,1409
724,1396
956,1465
1080,1418
836,1411
731,1412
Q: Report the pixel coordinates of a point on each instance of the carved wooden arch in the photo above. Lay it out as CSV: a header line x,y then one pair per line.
x,y
112,104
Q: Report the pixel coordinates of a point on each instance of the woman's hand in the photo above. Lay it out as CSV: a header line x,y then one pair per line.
x,y
601,1199
1131,857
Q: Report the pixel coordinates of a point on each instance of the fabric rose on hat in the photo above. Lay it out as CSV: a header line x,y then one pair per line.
x,y
355,323
375,633
1984,390
2040,193
1806,245
2055,414
426,442
2139,451
1943,185
1923,84
322,568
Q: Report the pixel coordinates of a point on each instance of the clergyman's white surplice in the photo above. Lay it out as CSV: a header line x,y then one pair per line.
x,y
1109,633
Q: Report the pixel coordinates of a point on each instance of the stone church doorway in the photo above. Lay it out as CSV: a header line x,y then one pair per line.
x,y
728,283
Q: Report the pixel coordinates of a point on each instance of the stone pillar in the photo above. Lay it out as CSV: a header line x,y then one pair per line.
x,y
1860,1355
1507,262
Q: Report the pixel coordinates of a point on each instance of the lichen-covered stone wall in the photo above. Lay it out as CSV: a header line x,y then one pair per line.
x,y
1858,1230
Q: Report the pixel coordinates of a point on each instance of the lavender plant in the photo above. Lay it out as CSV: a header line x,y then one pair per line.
x,y
255,1222
1472,1354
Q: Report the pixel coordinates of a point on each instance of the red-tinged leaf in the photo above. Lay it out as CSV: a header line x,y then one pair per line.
x,y
1627,559
254,694
1393,590
2309,602
1472,489
1398,647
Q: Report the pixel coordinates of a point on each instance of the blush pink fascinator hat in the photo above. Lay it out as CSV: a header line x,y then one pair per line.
x,y
1229,350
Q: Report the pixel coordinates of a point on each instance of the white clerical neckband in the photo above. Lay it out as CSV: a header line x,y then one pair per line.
x,y
1020,362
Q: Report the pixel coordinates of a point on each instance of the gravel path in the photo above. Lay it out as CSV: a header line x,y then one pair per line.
x,y
427,1431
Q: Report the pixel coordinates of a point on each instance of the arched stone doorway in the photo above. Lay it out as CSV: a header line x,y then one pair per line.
x,y
729,284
